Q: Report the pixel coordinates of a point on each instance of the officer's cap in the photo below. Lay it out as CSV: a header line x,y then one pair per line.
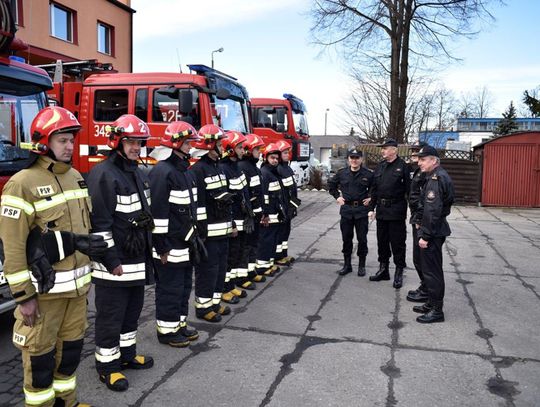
x,y
428,151
418,146
354,152
390,142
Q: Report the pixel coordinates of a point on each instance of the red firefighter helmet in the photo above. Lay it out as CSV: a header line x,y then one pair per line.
x,y
283,145
177,133
252,141
231,141
271,148
208,135
127,126
49,121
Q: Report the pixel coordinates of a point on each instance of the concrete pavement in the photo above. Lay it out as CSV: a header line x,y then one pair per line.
x,y
311,337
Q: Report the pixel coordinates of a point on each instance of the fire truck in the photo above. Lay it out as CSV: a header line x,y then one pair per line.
x,y
22,96
203,96
285,119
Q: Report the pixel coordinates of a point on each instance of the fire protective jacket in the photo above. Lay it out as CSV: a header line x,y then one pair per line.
x,y
253,176
120,194
289,185
214,215
50,195
238,185
274,204
174,208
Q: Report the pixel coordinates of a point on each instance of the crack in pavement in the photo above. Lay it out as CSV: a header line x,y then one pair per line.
x,y
531,241
490,243
390,369
496,385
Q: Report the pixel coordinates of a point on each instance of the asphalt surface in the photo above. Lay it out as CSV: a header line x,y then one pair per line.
x,y
309,337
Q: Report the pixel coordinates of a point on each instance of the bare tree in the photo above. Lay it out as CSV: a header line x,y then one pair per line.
x,y
390,36
476,104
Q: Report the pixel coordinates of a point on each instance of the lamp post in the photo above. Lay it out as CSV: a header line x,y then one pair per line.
x,y
217,50
325,120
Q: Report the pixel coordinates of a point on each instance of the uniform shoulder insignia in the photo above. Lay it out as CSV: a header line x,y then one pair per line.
x,y
434,177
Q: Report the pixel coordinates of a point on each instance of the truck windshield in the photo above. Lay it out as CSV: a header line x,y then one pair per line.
x,y
16,115
230,114
300,123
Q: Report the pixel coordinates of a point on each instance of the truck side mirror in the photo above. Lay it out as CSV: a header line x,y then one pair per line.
x,y
280,116
185,101
223,94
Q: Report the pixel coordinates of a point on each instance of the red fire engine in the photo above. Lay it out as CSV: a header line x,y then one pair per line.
x,y
279,119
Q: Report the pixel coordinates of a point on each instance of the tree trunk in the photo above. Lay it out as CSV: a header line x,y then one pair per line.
x,y
405,18
394,69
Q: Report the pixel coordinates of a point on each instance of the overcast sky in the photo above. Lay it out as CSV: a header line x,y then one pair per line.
x,y
267,47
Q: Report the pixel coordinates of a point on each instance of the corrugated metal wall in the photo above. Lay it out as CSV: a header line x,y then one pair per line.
x,y
511,174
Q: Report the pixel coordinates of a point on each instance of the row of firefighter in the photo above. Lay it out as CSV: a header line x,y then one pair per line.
x,y
226,219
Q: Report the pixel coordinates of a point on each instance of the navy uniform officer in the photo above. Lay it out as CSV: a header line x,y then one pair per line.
x,y
354,183
436,200
389,193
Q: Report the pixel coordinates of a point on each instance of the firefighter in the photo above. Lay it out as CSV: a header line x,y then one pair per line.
x,y
120,194
243,218
436,199
214,216
290,190
248,165
389,192
50,316
418,180
273,212
175,216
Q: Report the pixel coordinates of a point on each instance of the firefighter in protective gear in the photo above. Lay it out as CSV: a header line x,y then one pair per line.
x,y
273,212
243,218
175,216
120,194
48,195
248,165
214,221
290,190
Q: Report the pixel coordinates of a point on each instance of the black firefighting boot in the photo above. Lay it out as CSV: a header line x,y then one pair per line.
x,y
435,314
230,298
210,316
418,295
244,282
139,362
58,402
222,309
347,266
190,333
115,381
283,262
361,266
176,340
259,278
398,277
381,274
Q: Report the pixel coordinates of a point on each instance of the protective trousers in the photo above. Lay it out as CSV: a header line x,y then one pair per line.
x,y
210,277
392,233
416,256
250,249
173,288
282,246
117,316
51,350
347,227
431,261
237,261
266,248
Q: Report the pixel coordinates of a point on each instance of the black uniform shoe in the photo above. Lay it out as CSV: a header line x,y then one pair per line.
x,y
176,340
382,274
190,333
422,309
361,266
139,362
418,295
434,315
347,267
115,381
398,278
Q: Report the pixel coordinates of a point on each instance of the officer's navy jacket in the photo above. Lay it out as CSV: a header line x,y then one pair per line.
x,y
354,187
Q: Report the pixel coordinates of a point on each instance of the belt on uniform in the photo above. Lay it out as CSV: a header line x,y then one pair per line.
x,y
354,203
388,201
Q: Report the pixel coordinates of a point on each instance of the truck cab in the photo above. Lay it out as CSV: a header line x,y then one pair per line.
x,y
285,119
204,96
22,96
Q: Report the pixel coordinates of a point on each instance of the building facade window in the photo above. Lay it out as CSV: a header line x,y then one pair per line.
x,y
105,38
62,22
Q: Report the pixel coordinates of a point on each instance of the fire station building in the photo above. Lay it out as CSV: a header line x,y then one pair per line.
x,y
73,30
